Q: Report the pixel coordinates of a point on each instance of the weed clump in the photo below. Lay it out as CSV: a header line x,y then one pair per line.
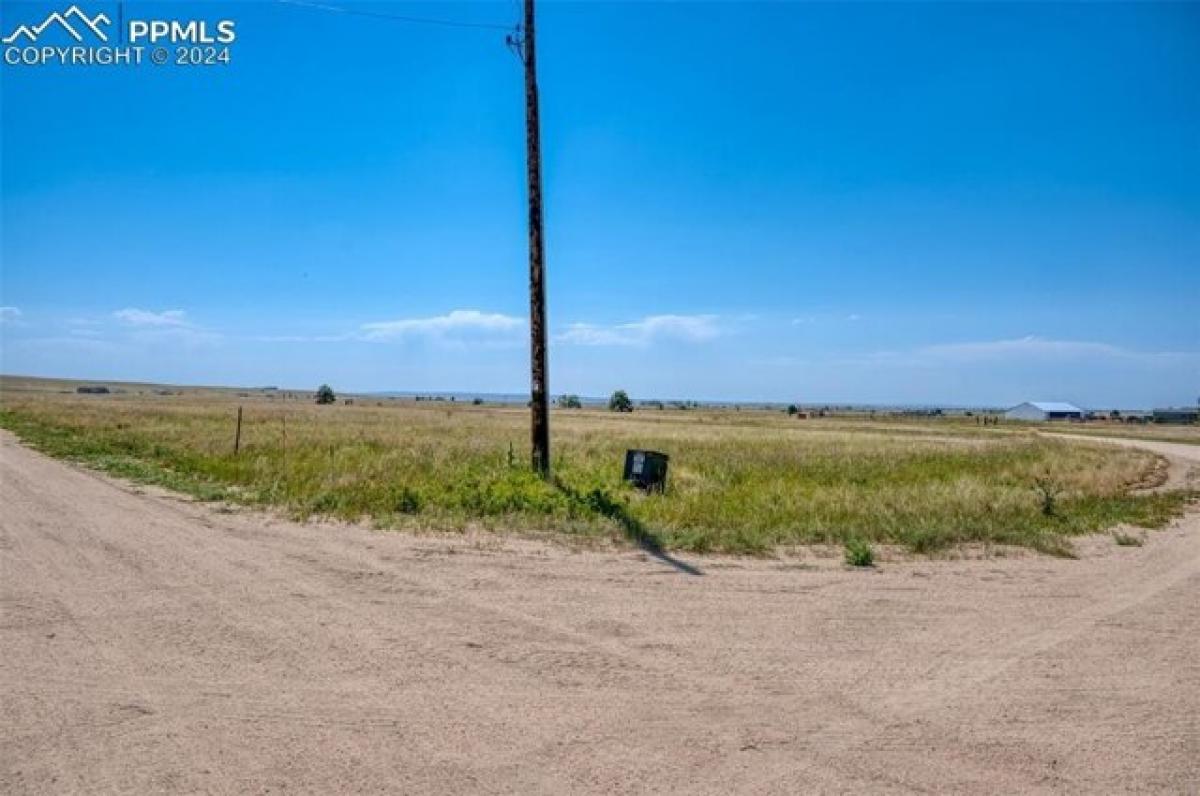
x,y
1048,490
859,553
408,501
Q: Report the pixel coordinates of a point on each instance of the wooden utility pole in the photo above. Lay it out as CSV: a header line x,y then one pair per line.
x,y
540,399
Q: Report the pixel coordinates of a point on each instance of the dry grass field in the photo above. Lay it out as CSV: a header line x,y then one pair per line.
x,y
1187,435
740,481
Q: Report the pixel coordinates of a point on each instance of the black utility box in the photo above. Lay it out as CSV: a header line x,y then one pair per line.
x,y
647,469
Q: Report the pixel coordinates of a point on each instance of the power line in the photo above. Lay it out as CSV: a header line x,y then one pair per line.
x,y
355,12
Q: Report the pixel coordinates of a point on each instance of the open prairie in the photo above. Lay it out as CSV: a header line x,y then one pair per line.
x,y
1152,432
741,481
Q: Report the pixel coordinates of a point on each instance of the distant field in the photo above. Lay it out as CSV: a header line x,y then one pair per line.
x,y
742,482
1189,435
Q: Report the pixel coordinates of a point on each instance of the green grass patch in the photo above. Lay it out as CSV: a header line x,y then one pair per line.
x,y
740,482
858,553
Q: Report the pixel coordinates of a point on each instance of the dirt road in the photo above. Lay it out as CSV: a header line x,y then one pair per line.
x,y
151,644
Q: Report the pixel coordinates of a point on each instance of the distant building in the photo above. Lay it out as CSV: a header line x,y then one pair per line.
x,y
1042,411
1135,416
1182,416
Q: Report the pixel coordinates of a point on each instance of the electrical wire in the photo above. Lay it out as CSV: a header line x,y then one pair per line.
x,y
450,23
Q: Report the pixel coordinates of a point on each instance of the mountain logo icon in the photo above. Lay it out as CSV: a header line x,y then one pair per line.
x,y
73,20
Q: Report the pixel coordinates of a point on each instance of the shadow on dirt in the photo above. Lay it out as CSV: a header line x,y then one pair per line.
x,y
598,501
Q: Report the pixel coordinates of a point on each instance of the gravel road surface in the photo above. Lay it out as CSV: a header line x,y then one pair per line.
x,y
152,644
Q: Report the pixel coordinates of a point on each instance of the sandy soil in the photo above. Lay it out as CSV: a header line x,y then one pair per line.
x,y
152,644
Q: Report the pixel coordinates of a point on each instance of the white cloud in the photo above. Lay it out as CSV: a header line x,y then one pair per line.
x,y
455,325
825,318
10,315
167,327
301,338
39,347
782,361
1027,347
686,328
1022,351
166,318
1019,351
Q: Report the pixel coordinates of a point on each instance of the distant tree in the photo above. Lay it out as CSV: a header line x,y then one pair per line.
x,y
619,402
792,409
325,394
477,402
570,402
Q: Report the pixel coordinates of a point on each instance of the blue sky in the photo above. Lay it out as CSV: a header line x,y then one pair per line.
x,y
879,203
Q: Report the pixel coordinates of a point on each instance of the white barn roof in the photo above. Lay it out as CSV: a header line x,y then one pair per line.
x,y
1055,406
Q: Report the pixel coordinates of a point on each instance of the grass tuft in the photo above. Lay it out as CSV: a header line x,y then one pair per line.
x,y
859,553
